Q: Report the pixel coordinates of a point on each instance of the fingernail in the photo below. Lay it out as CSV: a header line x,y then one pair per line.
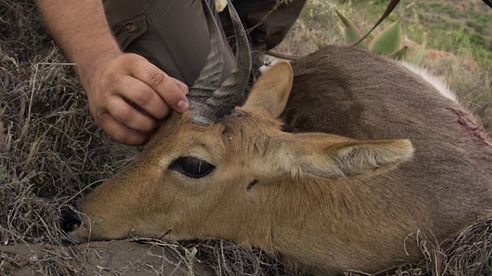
x,y
186,88
183,105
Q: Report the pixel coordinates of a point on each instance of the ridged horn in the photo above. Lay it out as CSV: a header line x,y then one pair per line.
x,y
211,74
223,100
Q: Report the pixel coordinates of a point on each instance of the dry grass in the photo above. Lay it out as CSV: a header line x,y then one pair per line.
x,y
51,152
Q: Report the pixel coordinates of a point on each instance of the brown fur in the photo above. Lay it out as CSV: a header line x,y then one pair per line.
x,y
324,201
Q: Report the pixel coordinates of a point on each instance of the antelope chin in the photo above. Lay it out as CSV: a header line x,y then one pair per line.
x,y
80,235
99,232
177,236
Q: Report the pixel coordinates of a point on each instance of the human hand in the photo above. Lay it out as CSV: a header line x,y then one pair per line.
x,y
128,96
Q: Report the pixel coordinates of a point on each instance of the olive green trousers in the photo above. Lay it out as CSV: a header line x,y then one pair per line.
x,y
173,34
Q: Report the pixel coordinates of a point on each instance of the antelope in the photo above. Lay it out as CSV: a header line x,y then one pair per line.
x,y
332,167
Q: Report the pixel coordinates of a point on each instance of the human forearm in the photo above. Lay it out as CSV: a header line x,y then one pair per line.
x,y
127,94
81,29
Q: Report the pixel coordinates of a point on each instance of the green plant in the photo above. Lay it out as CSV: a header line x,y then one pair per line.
x,y
191,259
387,42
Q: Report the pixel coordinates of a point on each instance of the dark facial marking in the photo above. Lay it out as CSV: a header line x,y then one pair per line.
x,y
252,184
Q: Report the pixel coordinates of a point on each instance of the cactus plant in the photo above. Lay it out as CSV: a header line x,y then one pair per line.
x,y
350,32
387,42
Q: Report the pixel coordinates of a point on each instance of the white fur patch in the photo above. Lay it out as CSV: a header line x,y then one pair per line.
x,y
440,85
269,61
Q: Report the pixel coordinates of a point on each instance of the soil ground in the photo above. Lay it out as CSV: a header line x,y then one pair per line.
x,y
115,257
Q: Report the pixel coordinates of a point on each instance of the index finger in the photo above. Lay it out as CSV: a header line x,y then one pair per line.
x,y
167,87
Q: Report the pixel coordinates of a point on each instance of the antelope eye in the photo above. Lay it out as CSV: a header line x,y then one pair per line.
x,y
192,167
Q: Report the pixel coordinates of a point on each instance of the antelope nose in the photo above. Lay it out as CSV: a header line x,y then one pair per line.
x,y
70,220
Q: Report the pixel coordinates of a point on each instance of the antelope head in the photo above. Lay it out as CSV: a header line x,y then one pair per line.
x,y
228,172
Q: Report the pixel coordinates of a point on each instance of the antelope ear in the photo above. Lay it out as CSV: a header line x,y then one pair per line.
x,y
271,91
343,157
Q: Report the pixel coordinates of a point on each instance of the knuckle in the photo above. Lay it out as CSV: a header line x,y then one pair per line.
x,y
148,125
145,127
134,62
174,95
100,117
130,58
142,97
119,135
111,78
157,78
123,113
161,111
115,131
143,123
166,110
135,57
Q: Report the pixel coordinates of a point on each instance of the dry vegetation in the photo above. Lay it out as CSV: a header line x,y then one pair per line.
x,y
51,153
